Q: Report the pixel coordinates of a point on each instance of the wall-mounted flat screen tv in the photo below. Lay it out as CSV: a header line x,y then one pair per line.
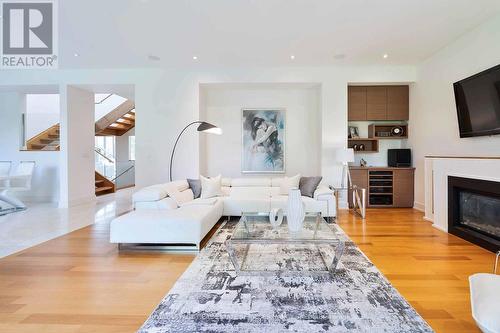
x,y
478,103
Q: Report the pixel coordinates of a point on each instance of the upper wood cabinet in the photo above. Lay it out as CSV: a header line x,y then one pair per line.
x,y
397,103
378,103
357,103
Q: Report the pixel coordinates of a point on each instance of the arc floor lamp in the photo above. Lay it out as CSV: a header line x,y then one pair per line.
x,y
202,127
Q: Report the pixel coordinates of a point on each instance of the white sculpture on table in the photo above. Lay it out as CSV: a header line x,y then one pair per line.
x,y
295,211
276,217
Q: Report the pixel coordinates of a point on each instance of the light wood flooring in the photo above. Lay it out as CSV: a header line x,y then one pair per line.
x,y
80,283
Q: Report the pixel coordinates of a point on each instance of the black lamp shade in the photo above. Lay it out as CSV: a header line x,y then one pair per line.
x,y
209,128
205,126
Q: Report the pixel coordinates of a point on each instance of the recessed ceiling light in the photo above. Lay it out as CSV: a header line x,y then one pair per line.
x,y
153,57
76,54
292,57
195,58
385,56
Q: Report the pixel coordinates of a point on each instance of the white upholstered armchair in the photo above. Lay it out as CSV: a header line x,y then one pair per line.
x,y
485,299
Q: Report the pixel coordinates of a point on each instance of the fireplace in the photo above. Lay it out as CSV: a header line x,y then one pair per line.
x,y
474,211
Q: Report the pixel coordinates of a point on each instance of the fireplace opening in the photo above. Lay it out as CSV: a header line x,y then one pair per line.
x,y
480,212
474,211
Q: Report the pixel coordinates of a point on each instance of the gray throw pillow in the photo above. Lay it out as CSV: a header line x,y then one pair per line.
x,y
308,185
195,186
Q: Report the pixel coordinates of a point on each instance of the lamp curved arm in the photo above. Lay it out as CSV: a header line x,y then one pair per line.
x,y
177,140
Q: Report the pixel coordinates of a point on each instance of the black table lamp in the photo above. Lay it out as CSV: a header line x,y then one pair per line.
x,y
203,127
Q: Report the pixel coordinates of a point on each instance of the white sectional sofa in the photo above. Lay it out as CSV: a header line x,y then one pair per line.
x,y
157,218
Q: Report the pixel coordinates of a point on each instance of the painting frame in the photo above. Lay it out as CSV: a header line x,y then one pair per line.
x,y
281,133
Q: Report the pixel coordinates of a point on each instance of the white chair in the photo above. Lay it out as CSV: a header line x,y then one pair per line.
x,y
17,181
5,168
4,173
485,300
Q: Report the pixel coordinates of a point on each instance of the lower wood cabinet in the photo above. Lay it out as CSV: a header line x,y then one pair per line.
x,y
385,187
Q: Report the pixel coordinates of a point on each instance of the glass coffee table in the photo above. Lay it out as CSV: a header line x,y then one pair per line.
x,y
256,248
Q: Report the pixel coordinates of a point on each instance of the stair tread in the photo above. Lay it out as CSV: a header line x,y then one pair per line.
x,y
124,121
99,182
103,188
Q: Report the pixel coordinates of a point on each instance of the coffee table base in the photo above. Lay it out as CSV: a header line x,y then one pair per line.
x,y
330,264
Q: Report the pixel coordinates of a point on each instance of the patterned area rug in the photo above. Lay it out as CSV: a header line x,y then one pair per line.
x,y
209,297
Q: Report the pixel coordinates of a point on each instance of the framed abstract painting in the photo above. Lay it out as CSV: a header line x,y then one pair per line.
x,y
263,140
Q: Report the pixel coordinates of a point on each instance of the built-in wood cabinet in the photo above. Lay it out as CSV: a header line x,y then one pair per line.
x,y
403,187
357,103
359,177
385,187
397,103
378,103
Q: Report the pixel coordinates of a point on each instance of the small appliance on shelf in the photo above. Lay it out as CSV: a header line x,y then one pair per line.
x,y
399,158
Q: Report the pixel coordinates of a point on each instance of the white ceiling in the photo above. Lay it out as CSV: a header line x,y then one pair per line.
x,y
122,33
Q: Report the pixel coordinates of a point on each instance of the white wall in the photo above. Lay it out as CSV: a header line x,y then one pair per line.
x,y
45,182
302,125
433,118
167,99
42,112
122,160
77,160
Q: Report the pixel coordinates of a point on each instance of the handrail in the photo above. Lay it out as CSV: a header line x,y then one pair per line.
x,y
105,98
98,151
121,174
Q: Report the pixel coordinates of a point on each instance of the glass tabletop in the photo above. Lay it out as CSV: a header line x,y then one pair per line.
x,y
256,226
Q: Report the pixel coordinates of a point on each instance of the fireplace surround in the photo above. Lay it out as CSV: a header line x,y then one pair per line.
x,y
474,211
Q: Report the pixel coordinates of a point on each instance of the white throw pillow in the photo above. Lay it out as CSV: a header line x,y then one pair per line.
x,y
178,196
288,183
210,187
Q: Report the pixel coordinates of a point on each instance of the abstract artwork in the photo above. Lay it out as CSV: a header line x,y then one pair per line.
x,y
263,141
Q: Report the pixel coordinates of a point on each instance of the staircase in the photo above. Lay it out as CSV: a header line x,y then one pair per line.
x,y
117,122
103,185
48,140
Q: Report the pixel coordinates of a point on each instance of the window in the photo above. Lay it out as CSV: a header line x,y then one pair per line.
x,y
131,148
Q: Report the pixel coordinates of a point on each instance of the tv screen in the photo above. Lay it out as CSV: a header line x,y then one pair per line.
x,y
478,103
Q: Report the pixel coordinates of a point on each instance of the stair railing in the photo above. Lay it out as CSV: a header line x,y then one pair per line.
x,y
122,173
102,153
105,98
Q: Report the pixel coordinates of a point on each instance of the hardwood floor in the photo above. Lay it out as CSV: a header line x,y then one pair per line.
x,y
80,283
428,267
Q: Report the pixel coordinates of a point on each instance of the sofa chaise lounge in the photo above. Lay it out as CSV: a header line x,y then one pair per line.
x,y
159,219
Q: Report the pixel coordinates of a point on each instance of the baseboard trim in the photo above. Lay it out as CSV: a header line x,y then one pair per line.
x,y
419,206
439,228
187,248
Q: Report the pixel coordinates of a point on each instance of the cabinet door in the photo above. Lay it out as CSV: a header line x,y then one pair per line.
x,y
356,103
360,179
376,103
403,188
397,103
